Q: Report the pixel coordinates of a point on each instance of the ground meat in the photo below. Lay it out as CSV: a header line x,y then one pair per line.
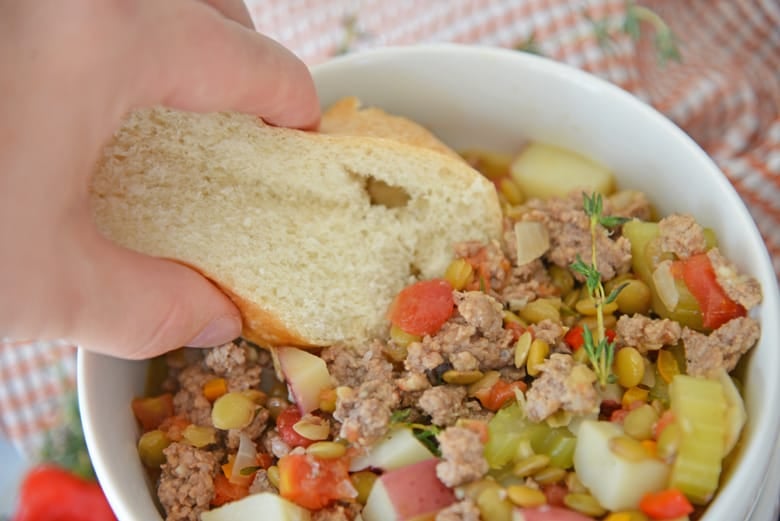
x,y
189,400
412,383
481,311
462,457
254,430
646,334
547,330
225,358
742,289
570,236
273,444
261,483
464,361
492,266
723,348
365,413
446,403
337,512
682,235
527,283
186,484
564,384
464,510
456,336
350,366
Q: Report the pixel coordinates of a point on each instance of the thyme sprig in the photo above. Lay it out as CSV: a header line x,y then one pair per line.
x,y
600,350
664,40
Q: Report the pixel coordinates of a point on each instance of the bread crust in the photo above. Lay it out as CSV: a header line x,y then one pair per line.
x,y
347,117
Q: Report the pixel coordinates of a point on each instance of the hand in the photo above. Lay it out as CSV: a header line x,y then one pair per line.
x,y
69,71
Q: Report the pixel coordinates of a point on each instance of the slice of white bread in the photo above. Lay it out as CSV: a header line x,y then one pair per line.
x,y
311,235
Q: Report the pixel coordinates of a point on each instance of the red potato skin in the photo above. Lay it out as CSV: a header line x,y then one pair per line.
x,y
548,513
422,492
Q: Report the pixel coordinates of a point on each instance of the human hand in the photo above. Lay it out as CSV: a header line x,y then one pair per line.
x,y
69,71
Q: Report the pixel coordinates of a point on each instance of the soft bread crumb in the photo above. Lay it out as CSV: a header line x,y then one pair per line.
x,y
282,219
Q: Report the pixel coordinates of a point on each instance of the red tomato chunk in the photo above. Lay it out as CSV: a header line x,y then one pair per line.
x,y
422,308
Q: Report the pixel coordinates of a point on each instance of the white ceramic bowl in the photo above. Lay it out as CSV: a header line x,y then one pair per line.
x,y
485,97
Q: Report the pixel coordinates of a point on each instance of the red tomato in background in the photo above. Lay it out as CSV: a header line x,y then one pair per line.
x,y
423,307
284,426
312,482
50,493
716,307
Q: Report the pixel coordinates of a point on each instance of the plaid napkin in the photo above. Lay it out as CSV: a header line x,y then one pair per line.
x,y
725,92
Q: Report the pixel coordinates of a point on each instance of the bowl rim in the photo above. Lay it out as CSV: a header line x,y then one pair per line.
x,y
751,457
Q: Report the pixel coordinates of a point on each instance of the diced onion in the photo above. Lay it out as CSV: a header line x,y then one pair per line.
x,y
532,241
666,286
245,457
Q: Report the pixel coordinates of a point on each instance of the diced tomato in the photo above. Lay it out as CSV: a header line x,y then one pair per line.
x,y
575,337
716,306
264,460
150,412
493,398
423,307
666,504
225,491
284,426
312,482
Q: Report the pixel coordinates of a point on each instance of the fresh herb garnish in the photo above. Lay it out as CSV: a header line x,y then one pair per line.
x,y
665,41
248,471
529,45
600,351
425,433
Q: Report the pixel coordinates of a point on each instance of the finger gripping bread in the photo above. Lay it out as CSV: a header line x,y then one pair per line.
x,y
310,234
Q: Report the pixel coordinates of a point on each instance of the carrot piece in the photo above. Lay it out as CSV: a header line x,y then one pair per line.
x,y
666,504
214,388
666,418
495,397
225,491
150,412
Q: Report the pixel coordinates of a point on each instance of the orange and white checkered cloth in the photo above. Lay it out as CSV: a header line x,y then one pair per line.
x,y
725,93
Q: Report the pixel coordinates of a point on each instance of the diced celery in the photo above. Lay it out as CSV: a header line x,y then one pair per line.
x,y
699,406
644,259
504,431
560,447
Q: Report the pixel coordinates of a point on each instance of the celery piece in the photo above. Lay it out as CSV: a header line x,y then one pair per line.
x,y
645,258
560,445
536,433
699,406
504,431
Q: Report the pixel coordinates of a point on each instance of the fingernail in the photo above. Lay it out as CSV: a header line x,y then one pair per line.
x,y
219,331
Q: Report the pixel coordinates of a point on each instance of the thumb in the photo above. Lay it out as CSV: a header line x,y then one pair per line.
x,y
135,306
